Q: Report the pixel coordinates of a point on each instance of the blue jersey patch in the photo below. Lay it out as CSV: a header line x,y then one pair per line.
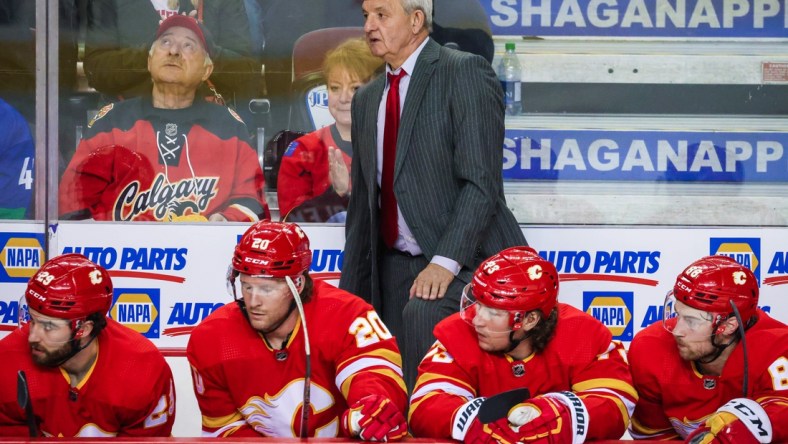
x,y
291,148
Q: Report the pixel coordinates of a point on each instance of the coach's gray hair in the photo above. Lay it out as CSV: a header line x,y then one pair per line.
x,y
424,5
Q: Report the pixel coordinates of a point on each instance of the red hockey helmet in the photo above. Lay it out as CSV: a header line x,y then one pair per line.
x,y
273,249
70,287
711,283
517,280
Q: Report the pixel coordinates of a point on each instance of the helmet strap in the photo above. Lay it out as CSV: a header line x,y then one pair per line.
x,y
719,348
513,343
281,321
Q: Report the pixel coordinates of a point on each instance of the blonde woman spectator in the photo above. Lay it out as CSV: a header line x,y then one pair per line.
x,y
314,180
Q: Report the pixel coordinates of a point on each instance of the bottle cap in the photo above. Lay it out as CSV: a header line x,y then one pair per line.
x,y
509,46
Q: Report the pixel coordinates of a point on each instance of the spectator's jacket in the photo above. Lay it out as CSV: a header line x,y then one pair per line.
x,y
304,188
17,154
140,163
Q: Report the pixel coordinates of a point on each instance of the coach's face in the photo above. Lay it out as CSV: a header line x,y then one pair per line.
x,y
391,33
178,58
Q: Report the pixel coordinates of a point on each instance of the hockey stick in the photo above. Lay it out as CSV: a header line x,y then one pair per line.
x,y
308,372
23,399
498,406
744,349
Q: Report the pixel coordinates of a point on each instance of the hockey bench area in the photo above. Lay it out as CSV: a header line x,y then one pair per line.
x,y
232,440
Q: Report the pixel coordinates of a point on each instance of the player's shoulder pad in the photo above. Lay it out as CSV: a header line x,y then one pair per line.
x,y
102,112
454,330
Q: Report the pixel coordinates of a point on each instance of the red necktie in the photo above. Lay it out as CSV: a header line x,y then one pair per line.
x,y
388,202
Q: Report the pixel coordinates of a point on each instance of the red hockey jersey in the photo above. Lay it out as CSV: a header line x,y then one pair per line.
x,y
303,174
675,398
129,390
243,390
580,357
140,163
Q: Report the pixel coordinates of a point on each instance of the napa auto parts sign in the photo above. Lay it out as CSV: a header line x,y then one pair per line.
x,y
725,19
169,277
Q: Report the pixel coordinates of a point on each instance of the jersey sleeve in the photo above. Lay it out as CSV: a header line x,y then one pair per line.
x,y
294,180
220,417
648,420
246,202
12,417
770,388
441,389
369,362
605,386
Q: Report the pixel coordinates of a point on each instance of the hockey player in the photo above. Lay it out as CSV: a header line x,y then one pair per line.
x,y
248,359
697,378
171,156
511,332
87,375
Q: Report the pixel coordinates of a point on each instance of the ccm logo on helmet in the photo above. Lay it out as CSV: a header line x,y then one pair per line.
x,y
255,261
36,295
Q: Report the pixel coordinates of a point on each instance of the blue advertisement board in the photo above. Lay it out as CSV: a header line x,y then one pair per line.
x,y
640,18
666,156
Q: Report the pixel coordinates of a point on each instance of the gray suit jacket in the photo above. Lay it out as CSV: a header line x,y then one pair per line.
x,y
447,175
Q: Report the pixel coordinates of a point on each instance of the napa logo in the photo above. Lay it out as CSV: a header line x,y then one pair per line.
x,y
613,309
138,309
744,250
21,255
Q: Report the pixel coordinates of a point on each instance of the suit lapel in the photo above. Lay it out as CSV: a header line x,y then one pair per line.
x,y
370,139
419,81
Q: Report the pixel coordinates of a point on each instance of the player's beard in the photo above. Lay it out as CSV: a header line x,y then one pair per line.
x,y
51,358
695,350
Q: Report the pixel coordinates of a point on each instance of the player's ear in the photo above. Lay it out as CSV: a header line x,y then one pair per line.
x,y
531,319
299,282
83,329
728,327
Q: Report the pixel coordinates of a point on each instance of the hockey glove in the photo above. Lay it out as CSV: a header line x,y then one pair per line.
x,y
374,418
741,420
556,418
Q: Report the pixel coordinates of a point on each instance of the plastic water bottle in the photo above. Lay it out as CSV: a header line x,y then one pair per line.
x,y
509,73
